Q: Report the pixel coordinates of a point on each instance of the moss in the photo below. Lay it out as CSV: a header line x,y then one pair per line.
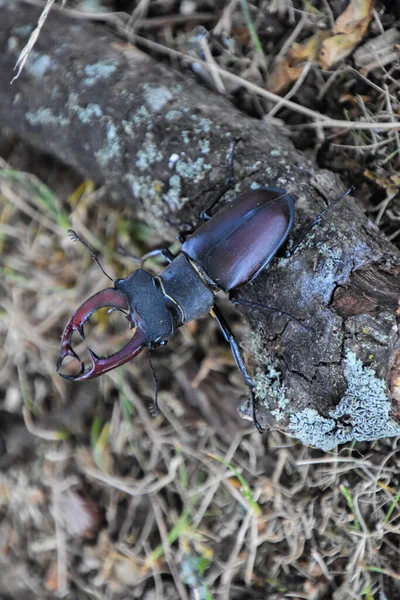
x,y
363,414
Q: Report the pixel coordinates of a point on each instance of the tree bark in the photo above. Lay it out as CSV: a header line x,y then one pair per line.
x,y
159,142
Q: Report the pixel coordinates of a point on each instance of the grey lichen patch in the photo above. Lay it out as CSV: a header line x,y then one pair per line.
x,y
39,64
44,116
23,31
363,414
141,116
148,190
271,173
255,186
269,389
156,97
89,114
204,125
313,429
193,170
173,115
173,196
99,71
204,146
185,137
111,148
12,43
149,154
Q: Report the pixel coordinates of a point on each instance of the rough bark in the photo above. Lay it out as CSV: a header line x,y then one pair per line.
x,y
116,115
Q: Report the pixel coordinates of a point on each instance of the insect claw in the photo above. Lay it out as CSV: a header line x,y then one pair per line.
x,y
73,377
93,356
72,235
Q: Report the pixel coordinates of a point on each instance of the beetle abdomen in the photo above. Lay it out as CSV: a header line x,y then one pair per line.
x,y
241,239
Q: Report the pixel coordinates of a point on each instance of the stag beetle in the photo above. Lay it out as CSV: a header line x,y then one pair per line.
x,y
226,252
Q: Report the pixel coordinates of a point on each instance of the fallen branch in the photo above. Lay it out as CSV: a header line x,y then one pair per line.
x,y
159,142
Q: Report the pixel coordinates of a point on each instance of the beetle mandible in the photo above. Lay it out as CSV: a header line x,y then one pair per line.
x,y
226,252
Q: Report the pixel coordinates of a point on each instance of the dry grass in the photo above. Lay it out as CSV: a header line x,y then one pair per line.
x,y
100,500
109,499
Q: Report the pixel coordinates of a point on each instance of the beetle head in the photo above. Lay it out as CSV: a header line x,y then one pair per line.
x,y
113,299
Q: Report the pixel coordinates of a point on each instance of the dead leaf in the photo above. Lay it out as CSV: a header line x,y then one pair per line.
x,y
356,17
287,70
349,29
325,47
336,48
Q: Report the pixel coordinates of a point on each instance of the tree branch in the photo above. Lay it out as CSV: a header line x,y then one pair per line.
x,y
159,142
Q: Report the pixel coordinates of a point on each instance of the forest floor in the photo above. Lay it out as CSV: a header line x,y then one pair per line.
x,y
97,498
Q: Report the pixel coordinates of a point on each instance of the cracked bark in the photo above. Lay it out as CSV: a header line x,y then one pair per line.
x,y
118,117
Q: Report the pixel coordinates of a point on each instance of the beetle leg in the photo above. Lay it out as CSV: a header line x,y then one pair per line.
x,y
115,300
228,335
164,252
154,410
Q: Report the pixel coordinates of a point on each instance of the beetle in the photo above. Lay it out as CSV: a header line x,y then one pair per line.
x,y
226,252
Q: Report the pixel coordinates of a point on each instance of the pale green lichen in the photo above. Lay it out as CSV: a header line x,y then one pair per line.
x,y
23,30
12,43
173,196
141,116
185,137
271,173
149,154
148,190
156,97
192,170
363,414
204,125
173,115
275,153
269,389
89,114
111,148
38,64
98,71
44,116
204,146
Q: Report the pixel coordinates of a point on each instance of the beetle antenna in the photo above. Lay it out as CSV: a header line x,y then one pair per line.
x,y
317,219
75,238
154,409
